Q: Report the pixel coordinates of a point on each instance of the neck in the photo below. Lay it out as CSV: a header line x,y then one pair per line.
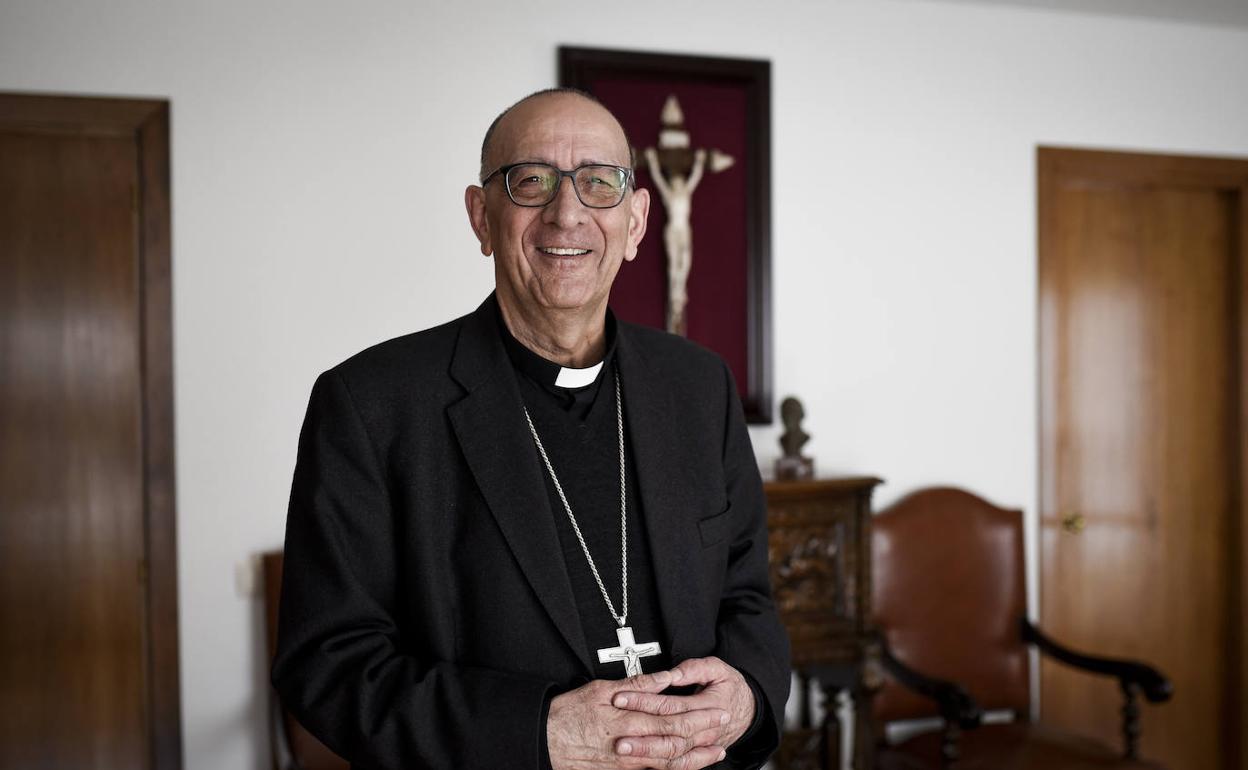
x,y
575,338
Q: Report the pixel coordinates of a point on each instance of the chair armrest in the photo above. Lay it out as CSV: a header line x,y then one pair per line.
x,y
283,757
1155,686
956,705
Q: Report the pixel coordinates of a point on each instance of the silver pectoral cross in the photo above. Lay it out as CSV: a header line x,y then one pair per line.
x,y
629,652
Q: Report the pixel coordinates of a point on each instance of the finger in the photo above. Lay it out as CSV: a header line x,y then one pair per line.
x,y
661,705
667,746
656,682
715,735
699,671
653,746
698,758
664,746
682,725
707,737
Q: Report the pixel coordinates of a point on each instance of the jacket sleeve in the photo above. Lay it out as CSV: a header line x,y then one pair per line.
x,y
341,667
750,636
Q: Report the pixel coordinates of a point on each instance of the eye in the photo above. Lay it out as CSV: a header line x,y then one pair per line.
x,y
601,177
531,177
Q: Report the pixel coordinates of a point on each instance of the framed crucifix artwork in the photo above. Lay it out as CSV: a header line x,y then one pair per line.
x,y
701,133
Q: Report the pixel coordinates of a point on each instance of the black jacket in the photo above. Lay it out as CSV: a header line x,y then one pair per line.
x,y
426,615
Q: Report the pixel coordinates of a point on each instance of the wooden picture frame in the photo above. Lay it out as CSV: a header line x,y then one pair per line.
x,y
726,106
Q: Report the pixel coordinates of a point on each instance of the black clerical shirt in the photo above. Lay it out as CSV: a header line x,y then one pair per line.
x,y
578,429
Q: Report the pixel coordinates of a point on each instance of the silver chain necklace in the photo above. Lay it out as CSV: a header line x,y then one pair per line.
x,y
628,652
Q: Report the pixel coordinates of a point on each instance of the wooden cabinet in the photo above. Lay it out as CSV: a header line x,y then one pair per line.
x,y
820,552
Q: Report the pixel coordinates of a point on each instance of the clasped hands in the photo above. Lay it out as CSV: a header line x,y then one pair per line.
x,y
629,725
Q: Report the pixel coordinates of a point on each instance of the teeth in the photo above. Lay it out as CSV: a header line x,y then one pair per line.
x,y
565,252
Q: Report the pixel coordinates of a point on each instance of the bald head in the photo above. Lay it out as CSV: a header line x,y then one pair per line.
x,y
554,263
501,131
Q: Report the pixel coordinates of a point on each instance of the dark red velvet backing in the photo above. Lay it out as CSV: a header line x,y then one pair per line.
x,y
715,116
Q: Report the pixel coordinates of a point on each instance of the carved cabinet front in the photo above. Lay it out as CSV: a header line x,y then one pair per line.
x,y
820,552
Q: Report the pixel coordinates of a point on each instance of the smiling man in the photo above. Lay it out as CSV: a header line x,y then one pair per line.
x,y
534,537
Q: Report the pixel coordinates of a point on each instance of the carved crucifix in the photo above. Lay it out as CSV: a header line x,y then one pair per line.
x,y
677,169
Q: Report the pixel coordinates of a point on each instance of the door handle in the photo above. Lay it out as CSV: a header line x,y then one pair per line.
x,y
1073,523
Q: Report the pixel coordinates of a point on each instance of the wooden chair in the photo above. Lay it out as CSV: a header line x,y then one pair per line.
x,y
294,748
950,608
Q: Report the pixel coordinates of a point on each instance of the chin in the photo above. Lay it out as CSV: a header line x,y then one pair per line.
x,y
569,297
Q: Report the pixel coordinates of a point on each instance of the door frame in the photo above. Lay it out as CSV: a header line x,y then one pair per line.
x,y
146,123
1055,165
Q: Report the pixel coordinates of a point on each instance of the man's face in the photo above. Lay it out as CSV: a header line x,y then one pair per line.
x,y
564,255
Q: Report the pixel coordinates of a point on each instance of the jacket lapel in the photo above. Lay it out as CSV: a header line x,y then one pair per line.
x,y
489,423
665,496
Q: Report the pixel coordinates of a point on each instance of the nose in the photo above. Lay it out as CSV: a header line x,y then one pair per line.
x,y
566,210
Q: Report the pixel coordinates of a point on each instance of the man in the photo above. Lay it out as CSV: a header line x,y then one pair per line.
x,y
493,521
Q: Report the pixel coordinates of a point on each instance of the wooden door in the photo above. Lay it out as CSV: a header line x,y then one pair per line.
x,y
88,645
1141,447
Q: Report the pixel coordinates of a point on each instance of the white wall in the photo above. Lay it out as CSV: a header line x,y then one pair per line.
x,y
320,150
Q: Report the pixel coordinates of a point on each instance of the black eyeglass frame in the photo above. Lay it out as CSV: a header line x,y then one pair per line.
x,y
505,170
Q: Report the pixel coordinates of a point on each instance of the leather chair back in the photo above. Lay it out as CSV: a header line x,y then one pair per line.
x,y
948,596
288,736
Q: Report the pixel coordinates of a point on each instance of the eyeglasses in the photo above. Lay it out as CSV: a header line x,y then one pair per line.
x,y
534,185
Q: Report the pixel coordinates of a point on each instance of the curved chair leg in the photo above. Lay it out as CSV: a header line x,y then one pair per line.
x,y
1131,719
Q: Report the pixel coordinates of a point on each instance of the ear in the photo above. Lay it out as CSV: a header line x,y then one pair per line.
x,y
474,201
638,213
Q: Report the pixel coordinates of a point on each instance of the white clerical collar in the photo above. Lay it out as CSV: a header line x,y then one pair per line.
x,y
577,378
549,374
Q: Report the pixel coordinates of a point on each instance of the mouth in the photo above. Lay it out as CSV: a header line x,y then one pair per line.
x,y
556,251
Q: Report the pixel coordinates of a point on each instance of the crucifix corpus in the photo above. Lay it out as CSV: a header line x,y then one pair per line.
x,y
629,652
676,169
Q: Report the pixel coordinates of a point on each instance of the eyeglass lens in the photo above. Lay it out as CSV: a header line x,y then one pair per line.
x,y
536,184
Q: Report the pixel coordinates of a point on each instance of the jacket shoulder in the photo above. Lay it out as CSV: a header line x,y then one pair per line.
x,y
673,353
411,360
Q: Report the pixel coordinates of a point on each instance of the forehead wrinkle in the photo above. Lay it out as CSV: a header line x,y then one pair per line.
x,y
551,162
552,139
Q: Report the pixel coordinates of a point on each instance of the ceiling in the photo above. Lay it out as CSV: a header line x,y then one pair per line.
x,y
1215,12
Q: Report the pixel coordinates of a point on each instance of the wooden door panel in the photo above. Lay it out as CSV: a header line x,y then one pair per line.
x,y
72,683
1140,437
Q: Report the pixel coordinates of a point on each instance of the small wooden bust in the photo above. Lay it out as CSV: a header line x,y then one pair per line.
x,y
793,466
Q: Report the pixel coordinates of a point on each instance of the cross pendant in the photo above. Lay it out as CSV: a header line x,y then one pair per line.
x,y
629,652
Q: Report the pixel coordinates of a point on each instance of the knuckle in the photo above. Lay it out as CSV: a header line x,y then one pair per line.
x,y
692,761
674,748
655,748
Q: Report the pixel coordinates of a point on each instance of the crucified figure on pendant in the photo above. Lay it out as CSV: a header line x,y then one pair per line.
x,y
677,194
